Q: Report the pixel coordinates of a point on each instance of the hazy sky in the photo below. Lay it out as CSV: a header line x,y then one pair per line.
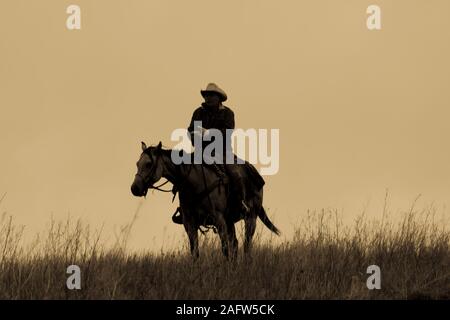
x,y
358,111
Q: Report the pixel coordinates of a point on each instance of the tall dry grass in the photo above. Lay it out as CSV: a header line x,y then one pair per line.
x,y
325,260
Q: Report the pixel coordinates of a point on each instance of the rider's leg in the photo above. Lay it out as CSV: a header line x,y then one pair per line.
x,y
177,216
234,172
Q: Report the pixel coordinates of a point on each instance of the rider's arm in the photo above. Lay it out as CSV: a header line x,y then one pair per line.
x,y
228,123
196,116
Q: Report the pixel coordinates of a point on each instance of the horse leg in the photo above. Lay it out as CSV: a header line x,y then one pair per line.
x,y
192,233
223,234
250,226
232,240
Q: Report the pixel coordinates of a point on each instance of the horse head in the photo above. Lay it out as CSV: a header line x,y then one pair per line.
x,y
149,169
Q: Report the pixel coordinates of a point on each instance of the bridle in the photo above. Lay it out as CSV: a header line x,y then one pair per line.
x,y
145,180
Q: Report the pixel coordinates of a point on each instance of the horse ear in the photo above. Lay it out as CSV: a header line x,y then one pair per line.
x,y
159,146
143,145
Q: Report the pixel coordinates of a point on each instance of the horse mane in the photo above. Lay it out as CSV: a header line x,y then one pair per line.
x,y
168,152
150,149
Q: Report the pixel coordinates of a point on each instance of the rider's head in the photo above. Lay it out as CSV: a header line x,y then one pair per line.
x,y
213,95
212,99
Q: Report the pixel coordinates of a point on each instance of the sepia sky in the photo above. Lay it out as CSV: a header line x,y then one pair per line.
x,y
358,111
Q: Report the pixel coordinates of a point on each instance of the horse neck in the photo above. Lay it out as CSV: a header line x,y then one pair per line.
x,y
178,174
171,171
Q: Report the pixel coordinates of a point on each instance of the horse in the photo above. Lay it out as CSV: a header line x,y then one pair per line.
x,y
205,199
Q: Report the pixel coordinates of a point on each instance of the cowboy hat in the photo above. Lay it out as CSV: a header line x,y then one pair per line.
x,y
212,87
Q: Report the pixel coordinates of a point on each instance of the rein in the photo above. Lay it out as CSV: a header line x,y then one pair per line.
x,y
158,187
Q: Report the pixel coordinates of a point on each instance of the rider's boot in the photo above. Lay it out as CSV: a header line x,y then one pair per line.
x,y
177,216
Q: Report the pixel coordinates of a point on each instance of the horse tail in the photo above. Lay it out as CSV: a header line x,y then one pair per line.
x,y
265,219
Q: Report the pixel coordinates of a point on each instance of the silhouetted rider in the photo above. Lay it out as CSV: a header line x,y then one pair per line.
x,y
214,115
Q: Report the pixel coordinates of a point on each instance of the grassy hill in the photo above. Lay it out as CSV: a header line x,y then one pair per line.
x,y
325,260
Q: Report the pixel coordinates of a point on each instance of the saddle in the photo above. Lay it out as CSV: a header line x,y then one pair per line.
x,y
254,183
254,180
